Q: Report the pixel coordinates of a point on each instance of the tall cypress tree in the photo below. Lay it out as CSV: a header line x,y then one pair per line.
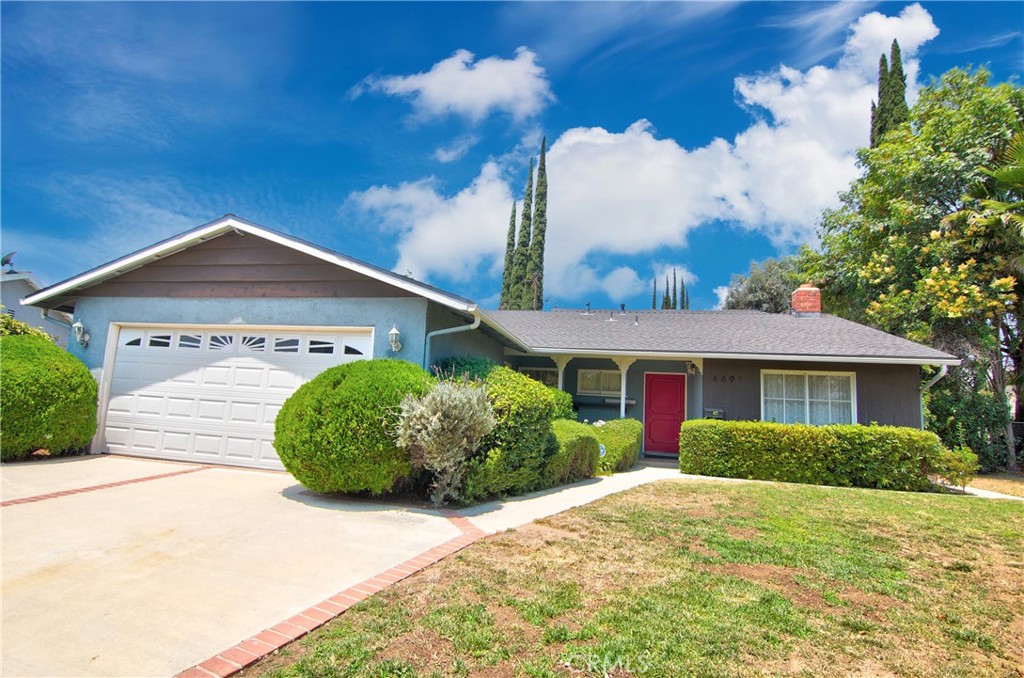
x,y
675,290
654,294
666,301
535,272
899,112
520,286
878,110
891,110
510,251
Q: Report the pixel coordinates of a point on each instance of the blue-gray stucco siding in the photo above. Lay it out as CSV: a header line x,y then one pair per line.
x,y
408,314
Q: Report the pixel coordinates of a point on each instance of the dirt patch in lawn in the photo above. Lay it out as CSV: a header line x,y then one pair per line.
x,y
1004,483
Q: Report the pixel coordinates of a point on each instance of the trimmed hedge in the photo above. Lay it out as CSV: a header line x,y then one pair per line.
x,y
887,457
336,432
47,398
577,455
622,439
514,455
459,366
563,404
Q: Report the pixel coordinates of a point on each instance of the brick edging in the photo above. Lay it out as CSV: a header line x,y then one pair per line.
x,y
104,486
249,651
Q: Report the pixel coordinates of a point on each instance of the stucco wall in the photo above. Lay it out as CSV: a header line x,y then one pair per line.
x,y
886,394
595,407
408,314
471,342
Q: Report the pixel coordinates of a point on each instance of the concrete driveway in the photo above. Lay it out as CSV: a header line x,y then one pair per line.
x,y
150,567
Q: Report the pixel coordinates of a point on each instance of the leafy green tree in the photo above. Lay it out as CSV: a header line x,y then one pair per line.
x,y
535,272
654,294
521,289
684,296
767,287
666,301
510,251
902,253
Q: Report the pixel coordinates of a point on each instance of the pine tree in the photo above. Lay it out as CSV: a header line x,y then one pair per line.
x,y
666,301
520,262
510,251
654,294
684,296
535,273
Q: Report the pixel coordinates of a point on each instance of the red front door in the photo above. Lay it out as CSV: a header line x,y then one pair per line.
x,y
664,411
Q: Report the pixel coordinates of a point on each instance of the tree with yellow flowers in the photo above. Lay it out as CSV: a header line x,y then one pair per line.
x,y
910,250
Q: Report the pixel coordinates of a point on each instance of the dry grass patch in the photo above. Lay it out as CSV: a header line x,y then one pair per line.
x,y
1004,483
679,578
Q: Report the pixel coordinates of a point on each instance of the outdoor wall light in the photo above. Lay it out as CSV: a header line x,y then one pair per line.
x,y
395,339
81,336
691,370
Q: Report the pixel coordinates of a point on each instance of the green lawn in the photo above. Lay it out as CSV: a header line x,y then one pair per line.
x,y
700,578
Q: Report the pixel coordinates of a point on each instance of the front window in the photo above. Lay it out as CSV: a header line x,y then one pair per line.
x,y
817,398
599,382
545,375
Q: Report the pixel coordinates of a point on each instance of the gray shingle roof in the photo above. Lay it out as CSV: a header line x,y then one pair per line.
x,y
701,333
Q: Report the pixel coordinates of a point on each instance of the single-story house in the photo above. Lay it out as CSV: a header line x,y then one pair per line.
x,y
196,342
15,286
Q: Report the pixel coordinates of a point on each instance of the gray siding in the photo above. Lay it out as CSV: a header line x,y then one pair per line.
x,y
886,394
242,266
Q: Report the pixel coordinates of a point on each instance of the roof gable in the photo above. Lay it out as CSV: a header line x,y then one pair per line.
x,y
60,294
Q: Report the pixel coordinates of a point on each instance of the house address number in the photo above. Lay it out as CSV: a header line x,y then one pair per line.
x,y
726,379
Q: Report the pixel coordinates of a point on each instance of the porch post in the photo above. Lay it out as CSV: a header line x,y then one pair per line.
x,y
561,361
623,364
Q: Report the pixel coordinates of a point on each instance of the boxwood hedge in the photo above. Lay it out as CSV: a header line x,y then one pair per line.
x,y
47,398
577,454
888,457
621,439
336,432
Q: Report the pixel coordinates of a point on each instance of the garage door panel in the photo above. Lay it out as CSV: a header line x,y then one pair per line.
x,y
213,396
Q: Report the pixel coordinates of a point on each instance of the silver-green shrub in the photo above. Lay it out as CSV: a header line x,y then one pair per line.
x,y
442,429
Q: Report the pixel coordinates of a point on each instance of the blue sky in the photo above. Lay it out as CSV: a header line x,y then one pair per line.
x,y
699,136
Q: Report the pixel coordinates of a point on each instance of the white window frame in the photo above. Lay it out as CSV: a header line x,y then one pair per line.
x,y
532,371
807,398
617,393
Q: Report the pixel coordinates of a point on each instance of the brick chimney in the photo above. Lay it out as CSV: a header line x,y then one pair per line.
x,y
806,301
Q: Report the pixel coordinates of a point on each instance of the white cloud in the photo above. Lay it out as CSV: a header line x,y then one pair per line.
x,y
721,292
453,236
633,193
456,149
459,86
622,283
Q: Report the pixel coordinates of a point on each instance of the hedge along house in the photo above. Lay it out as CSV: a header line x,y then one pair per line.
x,y
197,341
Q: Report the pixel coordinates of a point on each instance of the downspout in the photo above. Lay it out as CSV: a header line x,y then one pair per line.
x,y
447,330
943,369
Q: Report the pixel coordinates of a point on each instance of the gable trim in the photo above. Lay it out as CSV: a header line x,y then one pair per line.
x,y
232,223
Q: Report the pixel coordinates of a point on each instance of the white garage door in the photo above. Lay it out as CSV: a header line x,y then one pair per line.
x,y
211,395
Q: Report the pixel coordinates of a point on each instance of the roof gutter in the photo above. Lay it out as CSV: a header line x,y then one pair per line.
x,y
931,382
448,330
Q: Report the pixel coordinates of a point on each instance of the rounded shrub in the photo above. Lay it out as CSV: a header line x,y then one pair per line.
x,y
563,403
577,454
336,432
513,457
47,398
